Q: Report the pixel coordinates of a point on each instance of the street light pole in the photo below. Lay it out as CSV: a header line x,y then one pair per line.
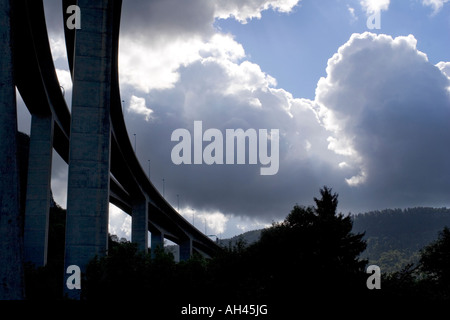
x,y
213,235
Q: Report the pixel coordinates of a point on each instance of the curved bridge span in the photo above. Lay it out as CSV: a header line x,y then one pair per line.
x,y
92,139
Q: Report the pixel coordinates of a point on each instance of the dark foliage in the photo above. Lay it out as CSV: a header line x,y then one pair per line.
x,y
311,253
311,258
395,236
425,283
435,265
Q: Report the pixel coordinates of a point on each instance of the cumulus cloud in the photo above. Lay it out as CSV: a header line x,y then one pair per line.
x,y
226,93
145,66
387,107
368,128
376,130
137,106
154,45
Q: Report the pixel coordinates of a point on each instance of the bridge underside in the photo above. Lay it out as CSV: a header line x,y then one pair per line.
x,y
92,139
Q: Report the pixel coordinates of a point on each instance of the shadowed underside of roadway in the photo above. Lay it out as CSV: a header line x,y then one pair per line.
x,y
37,82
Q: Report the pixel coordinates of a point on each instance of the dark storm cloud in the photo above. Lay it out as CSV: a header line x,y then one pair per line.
x,y
166,20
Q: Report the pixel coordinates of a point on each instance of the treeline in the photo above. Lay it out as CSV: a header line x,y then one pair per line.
x,y
313,258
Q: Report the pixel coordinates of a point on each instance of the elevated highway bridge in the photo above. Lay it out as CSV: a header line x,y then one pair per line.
x,y
92,139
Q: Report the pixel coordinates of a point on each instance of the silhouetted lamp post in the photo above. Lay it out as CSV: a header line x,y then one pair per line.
x,y
213,235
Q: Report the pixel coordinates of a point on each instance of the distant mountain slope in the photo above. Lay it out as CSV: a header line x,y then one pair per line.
x,y
395,237
248,238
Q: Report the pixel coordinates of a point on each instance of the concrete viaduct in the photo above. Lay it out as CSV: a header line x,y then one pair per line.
x,y
92,139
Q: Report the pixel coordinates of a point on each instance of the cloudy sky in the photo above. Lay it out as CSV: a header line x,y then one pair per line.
x,y
363,110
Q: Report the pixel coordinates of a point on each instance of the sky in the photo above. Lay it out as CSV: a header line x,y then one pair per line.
x,y
359,92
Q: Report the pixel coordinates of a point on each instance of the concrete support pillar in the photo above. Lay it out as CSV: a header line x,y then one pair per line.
x,y
38,190
139,223
90,140
185,249
157,242
11,241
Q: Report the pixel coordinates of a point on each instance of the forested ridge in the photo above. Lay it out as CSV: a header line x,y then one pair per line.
x,y
396,236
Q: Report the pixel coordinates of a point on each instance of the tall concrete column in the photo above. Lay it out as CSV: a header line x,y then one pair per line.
x,y
139,223
157,242
90,140
185,249
38,190
11,241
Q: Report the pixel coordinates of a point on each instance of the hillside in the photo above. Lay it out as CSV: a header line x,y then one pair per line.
x,y
395,237
247,238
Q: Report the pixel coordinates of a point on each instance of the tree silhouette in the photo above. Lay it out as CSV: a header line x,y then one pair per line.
x,y
435,264
327,205
312,254
426,282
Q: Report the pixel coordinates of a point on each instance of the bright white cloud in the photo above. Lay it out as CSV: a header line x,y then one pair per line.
x,y
145,66
212,222
58,48
249,9
59,180
222,46
444,67
371,6
152,58
137,106
119,222
246,77
435,4
65,80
